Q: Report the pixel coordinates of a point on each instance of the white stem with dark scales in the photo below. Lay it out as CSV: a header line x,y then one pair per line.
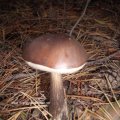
x,y
58,105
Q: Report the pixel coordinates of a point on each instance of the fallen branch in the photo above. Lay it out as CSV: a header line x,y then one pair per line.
x,y
89,63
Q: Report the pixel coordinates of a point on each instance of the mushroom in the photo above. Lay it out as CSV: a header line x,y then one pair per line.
x,y
58,54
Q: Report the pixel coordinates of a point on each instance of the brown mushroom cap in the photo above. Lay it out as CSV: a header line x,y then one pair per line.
x,y
55,53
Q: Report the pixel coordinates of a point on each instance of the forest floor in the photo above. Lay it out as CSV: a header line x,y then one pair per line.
x,y
24,92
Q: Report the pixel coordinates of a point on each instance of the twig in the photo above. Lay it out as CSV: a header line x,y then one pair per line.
x,y
19,76
83,13
103,60
22,75
84,97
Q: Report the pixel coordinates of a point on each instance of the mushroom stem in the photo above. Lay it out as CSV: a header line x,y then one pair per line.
x,y
58,105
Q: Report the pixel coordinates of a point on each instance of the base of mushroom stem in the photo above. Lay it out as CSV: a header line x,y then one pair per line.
x,y
63,115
